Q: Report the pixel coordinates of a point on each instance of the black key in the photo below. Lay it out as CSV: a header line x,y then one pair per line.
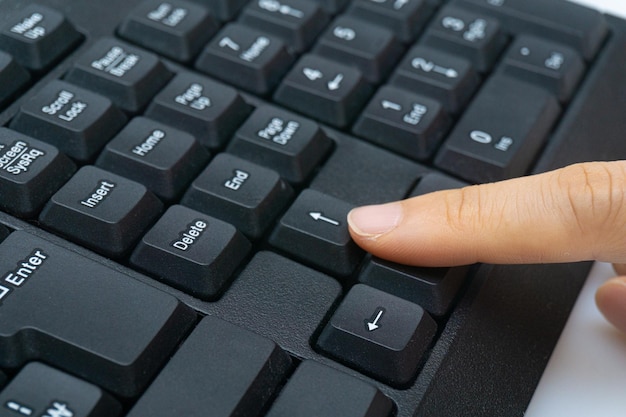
x,y
379,334
316,390
406,18
434,289
101,210
244,194
498,138
76,121
449,79
332,7
325,90
572,24
359,173
129,76
224,9
191,251
287,143
39,390
71,302
435,181
555,67
407,123
221,371
37,36
12,78
3,377
207,109
467,34
304,295
247,58
296,22
176,29
30,172
162,158
370,48
314,229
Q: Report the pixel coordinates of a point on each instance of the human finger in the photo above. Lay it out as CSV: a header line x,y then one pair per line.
x,y
571,214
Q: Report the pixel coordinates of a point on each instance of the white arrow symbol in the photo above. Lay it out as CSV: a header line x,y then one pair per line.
x,y
319,216
391,105
448,72
335,83
372,324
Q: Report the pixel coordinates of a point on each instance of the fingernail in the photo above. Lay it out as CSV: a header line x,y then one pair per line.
x,y
376,220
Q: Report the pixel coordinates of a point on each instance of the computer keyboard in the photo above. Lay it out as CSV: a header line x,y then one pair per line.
x,y
175,178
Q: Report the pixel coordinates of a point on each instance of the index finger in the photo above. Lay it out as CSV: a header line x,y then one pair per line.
x,y
571,214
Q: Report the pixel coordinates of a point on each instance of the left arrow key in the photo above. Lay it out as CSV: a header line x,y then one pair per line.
x,y
314,230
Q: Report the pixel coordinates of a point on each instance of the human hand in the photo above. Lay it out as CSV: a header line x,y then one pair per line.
x,y
572,214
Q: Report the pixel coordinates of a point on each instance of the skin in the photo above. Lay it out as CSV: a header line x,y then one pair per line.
x,y
572,214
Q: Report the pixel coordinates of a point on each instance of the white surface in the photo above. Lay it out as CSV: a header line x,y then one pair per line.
x,y
616,7
586,375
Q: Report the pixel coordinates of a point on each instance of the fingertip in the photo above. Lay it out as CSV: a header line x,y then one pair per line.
x,y
369,222
611,301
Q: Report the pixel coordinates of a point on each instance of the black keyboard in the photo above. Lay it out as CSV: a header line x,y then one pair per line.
x,y
175,178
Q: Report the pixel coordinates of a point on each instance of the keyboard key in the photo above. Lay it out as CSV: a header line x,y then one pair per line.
x,y
76,121
246,58
580,27
223,9
30,172
406,18
467,34
316,390
296,22
359,173
282,298
332,7
67,303
314,230
450,79
191,251
325,90
434,289
207,109
162,158
127,75
176,29
499,138
13,78
39,390
434,181
37,36
239,192
221,371
407,123
379,334
287,143
554,67
102,211
371,49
